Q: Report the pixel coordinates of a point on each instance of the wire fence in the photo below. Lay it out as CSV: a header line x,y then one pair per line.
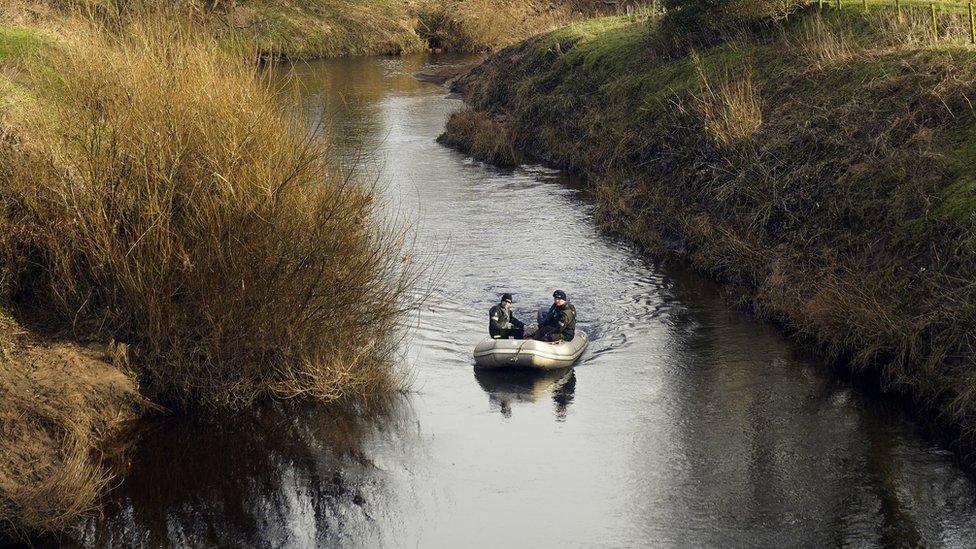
x,y
937,10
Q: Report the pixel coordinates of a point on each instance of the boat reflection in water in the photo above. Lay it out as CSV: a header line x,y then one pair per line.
x,y
509,386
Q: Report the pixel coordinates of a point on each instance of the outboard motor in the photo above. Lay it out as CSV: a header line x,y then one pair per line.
x,y
542,316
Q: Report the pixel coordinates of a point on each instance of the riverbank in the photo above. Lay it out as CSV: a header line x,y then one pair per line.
x,y
309,29
818,167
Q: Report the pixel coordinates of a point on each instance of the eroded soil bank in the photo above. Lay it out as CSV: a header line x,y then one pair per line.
x,y
818,168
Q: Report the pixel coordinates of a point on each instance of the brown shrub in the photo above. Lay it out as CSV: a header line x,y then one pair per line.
x,y
162,196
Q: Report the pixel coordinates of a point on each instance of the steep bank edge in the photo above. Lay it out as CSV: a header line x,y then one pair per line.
x,y
63,410
821,175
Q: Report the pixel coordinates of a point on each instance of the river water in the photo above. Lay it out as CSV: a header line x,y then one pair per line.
x,y
686,424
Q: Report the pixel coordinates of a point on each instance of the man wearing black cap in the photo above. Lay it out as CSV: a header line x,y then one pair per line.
x,y
501,323
560,322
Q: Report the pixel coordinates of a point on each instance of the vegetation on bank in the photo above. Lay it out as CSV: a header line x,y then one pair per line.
x,y
820,166
329,28
206,231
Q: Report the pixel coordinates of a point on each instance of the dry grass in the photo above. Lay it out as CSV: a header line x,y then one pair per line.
x,y
478,25
481,136
329,28
184,213
730,110
822,43
53,434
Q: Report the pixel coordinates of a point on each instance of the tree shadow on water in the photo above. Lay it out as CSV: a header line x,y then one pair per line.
x,y
280,474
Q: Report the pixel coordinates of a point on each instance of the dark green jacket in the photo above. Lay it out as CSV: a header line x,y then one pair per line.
x,y
500,318
562,320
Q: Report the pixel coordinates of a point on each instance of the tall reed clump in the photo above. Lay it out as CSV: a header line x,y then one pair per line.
x,y
730,110
161,195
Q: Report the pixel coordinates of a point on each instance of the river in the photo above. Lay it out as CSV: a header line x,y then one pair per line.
x,y
686,424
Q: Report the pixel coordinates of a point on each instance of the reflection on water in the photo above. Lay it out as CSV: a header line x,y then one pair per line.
x,y
286,475
505,387
686,424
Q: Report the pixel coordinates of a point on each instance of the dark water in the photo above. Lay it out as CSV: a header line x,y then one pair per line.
x,y
686,424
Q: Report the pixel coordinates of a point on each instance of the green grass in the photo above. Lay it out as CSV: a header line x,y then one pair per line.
x,y
17,41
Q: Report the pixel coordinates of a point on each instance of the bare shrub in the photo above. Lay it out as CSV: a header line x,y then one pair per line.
x,y
165,198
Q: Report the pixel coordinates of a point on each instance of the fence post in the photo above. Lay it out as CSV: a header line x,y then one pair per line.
x,y
820,4
935,22
838,4
865,3
972,24
898,9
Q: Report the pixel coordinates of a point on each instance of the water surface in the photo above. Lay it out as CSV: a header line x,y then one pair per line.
x,y
686,424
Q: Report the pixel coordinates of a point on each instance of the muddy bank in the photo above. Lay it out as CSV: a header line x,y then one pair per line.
x,y
819,171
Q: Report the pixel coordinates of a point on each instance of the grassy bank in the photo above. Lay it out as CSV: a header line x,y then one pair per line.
x,y
820,167
170,233
329,28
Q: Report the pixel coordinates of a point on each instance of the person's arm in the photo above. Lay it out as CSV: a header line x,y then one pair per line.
x,y
516,322
496,319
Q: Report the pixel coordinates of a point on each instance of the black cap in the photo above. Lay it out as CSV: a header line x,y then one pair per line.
x,y
559,294
507,297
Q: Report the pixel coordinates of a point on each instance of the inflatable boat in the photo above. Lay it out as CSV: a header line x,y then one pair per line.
x,y
529,353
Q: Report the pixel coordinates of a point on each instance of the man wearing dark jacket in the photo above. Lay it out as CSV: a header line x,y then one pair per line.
x,y
501,323
560,322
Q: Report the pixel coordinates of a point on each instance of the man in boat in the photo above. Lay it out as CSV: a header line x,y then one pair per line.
x,y
502,324
560,322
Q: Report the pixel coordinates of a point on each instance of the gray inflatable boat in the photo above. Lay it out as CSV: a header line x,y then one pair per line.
x,y
529,353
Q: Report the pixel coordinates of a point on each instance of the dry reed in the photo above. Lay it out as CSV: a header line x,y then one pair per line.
x,y
730,110
823,43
